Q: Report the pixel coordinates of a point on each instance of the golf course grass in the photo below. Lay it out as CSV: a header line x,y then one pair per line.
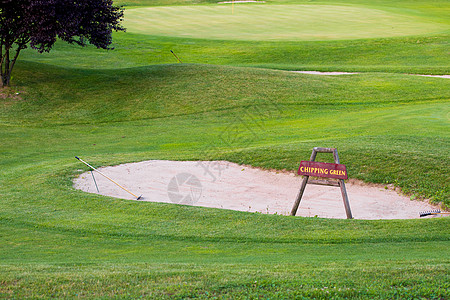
x,y
234,99
276,22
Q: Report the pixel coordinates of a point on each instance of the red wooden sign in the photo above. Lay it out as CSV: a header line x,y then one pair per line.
x,y
321,169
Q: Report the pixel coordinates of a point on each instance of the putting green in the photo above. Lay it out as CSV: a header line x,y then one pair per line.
x,y
276,22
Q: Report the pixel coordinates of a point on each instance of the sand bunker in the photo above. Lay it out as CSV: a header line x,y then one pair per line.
x,y
324,73
226,185
241,1
438,76
351,73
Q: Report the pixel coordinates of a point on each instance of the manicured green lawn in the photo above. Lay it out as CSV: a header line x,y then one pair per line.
x,y
131,105
416,54
260,22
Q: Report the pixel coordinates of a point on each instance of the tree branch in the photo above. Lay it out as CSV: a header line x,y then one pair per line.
x,y
13,62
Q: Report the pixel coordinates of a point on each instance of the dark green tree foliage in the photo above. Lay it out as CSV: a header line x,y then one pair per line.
x,y
38,24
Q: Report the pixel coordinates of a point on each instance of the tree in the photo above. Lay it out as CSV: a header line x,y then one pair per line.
x,y
39,23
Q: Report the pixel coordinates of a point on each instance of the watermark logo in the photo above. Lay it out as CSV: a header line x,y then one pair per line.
x,y
184,188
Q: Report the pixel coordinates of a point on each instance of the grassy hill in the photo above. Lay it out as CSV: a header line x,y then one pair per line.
x,y
135,103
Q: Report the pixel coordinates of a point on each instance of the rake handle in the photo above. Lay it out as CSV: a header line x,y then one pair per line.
x,y
137,197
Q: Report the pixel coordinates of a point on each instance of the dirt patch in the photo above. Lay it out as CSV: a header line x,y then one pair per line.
x,y
8,93
9,96
221,184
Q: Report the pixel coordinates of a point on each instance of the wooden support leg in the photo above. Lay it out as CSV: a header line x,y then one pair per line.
x,y
302,188
299,196
345,198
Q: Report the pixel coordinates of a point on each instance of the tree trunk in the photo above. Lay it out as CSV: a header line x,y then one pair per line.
x,y
6,75
6,80
7,66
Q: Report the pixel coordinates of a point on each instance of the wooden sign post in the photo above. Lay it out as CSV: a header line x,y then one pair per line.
x,y
323,170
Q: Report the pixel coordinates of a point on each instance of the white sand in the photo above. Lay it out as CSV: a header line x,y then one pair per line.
x,y
351,73
325,73
241,1
221,184
439,76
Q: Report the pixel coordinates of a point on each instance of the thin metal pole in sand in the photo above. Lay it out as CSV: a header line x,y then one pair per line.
x,y
92,173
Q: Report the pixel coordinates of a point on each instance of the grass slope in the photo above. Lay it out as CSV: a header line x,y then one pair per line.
x,y
63,243
422,54
417,55
130,105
